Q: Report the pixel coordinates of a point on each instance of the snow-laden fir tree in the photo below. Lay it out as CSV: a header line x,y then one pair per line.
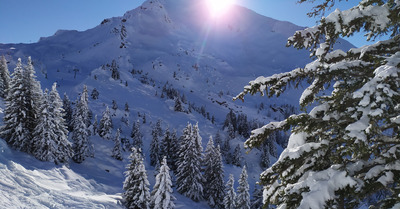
x,y
213,175
161,196
60,126
50,136
115,70
137,136
230,194
257,198
116,153
34,94
4,77
178,105
154,147
174,151
349,140
237,156
21,107
82,108
67,106
95,126
265,161
105,125
80,138
165,145
226,151
218,139
95,94
136,185
243,195
189,179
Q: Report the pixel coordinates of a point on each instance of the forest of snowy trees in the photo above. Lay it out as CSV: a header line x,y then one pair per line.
x,y
39,122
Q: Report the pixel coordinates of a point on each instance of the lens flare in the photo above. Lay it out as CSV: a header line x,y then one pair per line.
x,y
219,7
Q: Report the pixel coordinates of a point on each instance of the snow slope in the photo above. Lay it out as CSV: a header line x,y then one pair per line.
x,y
168,41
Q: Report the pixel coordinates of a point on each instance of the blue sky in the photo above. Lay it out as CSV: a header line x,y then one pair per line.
x,y
26,20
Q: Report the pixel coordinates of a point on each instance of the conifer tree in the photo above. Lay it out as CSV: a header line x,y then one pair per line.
x,y
230,194
178,105
116,153
82,109
67,106
23,98
136,185
105,125
174,151
34,94
352,128
115,70
257,200
4,77
154,148
95,94
50,136
213,176
243,196
80,137
218,139
237,156
265,161
137,136
95,126
188,177
161,196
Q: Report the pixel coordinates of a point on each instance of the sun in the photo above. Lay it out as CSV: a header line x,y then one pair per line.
x,y
219,7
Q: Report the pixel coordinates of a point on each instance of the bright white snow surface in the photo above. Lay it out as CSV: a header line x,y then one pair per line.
x,y
28,183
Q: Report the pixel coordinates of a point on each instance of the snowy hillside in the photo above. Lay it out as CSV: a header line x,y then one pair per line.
x,y
162,46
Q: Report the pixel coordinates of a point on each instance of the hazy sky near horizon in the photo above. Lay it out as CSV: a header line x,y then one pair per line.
x,y
25,21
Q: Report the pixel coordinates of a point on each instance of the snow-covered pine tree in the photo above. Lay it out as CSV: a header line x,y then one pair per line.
x,y
21,109
226,151
82,109
80,139
178,105
237,156
213,175
243,195
95,94
166,145
95,126
34,95
50,135
4,77
105,125
137,136
60,126
349,139
188,176
154,147
115,70
161,196
116,153
265,161
257,201
230,194
67,106
218,139
174,150
136,185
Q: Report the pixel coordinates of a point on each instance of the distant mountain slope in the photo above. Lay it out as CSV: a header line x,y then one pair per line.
x,y
162,44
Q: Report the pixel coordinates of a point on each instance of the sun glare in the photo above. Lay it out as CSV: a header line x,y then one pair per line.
x,y
218,7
